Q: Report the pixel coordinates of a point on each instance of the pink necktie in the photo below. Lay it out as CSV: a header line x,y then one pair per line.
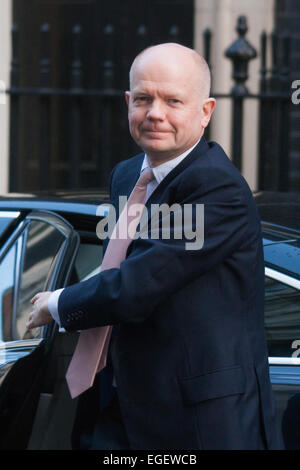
x,y
91,350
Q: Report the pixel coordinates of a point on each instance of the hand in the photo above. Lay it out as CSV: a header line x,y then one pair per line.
x,y
40,314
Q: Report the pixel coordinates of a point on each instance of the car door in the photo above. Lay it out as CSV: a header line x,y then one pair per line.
x,y
282,318
37,256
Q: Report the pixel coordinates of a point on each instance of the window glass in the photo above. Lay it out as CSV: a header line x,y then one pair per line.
x,y
284,256
4,223
88,261
7,282
6,217
42,245
282,318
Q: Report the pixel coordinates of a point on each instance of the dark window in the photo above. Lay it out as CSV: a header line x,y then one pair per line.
x,y
282,318
88,260
61,140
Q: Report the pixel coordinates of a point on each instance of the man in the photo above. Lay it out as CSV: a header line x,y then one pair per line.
x,y
189,355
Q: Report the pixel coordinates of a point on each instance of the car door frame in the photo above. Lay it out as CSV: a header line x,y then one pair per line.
x,y
277,363
284,371
32,352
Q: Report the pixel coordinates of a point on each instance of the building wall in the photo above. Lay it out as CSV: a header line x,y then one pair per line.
x,y
287,18
221,17
5,57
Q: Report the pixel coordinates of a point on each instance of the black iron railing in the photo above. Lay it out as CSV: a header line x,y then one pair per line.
x,y
274,99
80,133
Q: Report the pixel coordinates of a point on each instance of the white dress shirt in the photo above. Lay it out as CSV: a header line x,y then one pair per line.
x,y
160,172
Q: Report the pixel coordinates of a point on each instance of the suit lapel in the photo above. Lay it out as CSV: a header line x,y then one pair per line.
x,y
157,194
128,179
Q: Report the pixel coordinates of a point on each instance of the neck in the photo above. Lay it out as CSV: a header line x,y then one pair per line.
x,y
155,161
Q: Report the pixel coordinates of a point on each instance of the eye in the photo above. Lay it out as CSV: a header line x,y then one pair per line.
x,y
142,99
174,101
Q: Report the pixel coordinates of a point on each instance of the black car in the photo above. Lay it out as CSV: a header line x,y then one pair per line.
x,y
49,241
280,214
46,243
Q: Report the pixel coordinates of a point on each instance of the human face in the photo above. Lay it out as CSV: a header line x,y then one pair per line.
x,y
166,113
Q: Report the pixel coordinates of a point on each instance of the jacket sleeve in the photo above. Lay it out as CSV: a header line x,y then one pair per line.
x,y
156,268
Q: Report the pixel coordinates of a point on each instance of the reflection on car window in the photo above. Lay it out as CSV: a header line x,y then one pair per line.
x,y
88,261
282,318
42,244
23,272
6,218
4,223
7,283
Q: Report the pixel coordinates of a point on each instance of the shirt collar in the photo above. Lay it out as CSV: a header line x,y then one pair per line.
x,y
161,171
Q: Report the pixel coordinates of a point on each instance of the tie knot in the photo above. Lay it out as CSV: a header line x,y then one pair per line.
x,y
145,177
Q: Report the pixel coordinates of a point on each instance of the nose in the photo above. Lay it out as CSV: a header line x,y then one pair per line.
x,y
156,111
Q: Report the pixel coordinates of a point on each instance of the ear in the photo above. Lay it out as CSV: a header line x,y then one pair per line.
x,y
127,97
208,106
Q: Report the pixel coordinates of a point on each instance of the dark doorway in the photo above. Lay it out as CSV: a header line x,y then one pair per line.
x,y
69,71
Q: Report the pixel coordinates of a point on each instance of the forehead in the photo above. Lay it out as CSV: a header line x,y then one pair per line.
x,y
160,87
163,75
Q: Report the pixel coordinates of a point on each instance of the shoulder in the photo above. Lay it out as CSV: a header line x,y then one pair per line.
x,y
130,163
125,170
212,174
214,167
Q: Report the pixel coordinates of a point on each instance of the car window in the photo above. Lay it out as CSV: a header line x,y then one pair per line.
x,y
88,260
24,272
282,318
4,223
7,284
6,217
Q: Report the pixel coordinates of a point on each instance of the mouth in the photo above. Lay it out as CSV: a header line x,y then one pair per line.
x,y
155,131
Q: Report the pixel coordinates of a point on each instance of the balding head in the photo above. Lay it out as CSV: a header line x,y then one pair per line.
x,y
168,102
183,57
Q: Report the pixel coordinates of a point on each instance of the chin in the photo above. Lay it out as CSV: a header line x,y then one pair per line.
x,y
156,146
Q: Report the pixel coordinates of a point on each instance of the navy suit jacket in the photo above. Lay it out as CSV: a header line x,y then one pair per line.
x,y
189,355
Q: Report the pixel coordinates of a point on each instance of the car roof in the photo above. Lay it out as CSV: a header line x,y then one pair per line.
x,y
82,202
280,215
279,212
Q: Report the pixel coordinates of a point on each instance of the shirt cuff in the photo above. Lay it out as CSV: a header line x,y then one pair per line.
x,y
53,305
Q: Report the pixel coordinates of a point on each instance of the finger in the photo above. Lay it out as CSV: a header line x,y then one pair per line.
x,y
35,298
30,325
29,320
